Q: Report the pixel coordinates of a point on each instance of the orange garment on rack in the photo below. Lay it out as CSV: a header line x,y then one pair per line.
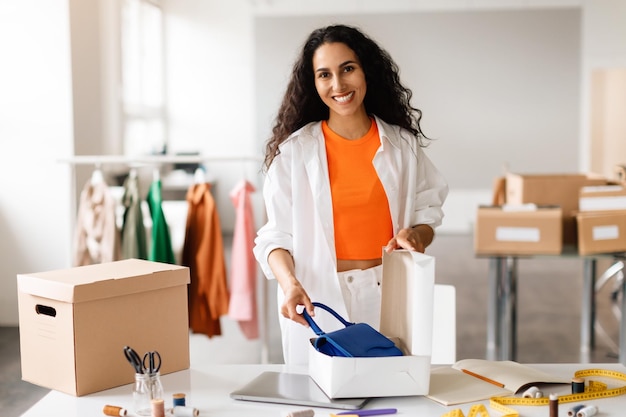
x,y
203,253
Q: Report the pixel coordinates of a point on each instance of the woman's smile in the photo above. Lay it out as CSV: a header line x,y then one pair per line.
x,y
344,98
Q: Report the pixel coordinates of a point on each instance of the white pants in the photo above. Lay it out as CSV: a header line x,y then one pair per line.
x,y
361,290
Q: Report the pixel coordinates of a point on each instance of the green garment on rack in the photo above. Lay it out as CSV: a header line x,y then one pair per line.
x,y
133,231
161,248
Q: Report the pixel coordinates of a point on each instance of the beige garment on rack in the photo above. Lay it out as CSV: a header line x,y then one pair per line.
x,y
96,237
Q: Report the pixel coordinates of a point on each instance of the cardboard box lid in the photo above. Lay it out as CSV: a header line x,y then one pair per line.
x,y
602,190
99,281
407,300
520,211
607,197
561,189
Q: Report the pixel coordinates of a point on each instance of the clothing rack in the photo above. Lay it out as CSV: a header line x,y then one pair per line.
x,y
154,159
157,160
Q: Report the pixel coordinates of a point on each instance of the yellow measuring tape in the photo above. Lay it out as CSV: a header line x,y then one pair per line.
x,y
594,390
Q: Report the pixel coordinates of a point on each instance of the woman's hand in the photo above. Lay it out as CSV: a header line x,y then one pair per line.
x,y
296,296
283,267
413,238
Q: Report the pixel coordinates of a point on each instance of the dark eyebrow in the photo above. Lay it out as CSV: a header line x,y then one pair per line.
x,y
343,64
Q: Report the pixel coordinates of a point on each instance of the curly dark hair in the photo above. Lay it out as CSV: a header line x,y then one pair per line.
x,y
386,97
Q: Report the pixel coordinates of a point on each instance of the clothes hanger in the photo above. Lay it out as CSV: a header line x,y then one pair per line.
x,y
199,176
96,176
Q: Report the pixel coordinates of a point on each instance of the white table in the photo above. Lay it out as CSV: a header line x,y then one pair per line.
x,y
209,389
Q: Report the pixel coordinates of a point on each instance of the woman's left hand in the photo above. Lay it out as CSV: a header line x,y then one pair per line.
x,y
413,238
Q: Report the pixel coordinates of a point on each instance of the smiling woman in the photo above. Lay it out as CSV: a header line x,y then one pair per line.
x,y
346,176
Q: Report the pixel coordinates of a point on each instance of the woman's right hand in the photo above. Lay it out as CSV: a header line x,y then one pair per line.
x,y
282,265
296,296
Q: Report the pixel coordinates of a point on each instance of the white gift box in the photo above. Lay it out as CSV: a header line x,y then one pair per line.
x,y
407,316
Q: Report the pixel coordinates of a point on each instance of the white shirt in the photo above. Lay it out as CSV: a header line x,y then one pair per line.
x,y
300,215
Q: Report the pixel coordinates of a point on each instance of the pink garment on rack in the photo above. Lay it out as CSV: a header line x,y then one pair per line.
x,y
243,305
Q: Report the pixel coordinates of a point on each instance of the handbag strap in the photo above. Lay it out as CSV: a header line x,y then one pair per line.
x,y
314,325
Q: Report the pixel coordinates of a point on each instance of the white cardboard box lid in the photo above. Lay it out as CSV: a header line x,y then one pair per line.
x,y
407,299
112,279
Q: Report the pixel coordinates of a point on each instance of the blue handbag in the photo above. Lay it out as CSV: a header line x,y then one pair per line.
x,y
355,340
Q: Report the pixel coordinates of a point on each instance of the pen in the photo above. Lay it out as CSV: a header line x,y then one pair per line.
x,y
372,412
484,378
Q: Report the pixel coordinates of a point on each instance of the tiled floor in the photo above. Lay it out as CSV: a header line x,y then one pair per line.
x,y
549,293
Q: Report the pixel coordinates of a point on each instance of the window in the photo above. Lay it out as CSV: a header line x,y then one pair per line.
x,y
143,79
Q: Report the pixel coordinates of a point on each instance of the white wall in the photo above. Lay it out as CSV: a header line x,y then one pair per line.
x,y
210,89
35,131
603,46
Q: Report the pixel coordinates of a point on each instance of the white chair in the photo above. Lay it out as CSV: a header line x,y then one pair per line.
x,y
444,325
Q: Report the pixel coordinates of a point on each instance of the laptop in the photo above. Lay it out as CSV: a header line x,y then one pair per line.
x,y
295,389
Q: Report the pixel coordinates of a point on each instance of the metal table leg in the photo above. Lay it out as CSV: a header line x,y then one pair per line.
x,y
508,310
502,309
493,315
622,332
588,310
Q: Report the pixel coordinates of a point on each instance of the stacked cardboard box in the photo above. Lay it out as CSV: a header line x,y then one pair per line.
x,y
556,189
601,220
518,230
504,230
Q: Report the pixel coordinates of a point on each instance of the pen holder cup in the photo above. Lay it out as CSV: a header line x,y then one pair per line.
x,y
147,388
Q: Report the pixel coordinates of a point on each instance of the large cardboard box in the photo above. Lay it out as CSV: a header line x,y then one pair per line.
x,y
601,232
602,198
407,315
551,189
75,322
518,230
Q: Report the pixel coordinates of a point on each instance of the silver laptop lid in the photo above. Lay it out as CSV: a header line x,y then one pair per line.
x,y
296,389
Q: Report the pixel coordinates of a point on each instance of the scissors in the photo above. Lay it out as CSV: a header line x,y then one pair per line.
x,y
133,359
153,359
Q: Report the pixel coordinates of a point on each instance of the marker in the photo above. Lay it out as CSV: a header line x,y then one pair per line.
x,y
372,412
301,413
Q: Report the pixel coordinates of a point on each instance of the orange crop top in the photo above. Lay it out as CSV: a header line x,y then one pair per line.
x,y
361,214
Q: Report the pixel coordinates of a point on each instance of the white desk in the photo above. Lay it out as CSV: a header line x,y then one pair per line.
x,y
209,389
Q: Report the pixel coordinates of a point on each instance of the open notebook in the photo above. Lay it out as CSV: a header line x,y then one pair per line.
x,y
452,385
